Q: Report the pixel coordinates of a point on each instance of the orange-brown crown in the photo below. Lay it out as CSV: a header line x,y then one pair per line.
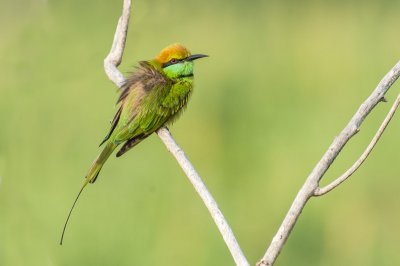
x,y
176,50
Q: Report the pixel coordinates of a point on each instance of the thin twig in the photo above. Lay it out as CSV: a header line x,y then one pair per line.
x,y
114,57
205,195
111,62
312,181
363,157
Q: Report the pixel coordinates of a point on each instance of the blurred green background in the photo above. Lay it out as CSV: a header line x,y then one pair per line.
x,y
283,78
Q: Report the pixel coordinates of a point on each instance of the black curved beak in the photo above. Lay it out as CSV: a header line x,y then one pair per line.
x,y
195,56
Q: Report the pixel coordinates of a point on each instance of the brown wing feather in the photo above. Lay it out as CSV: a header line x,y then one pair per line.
x,y
145,73
130,144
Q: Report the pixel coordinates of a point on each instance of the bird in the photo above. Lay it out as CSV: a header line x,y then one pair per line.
x,y
153,96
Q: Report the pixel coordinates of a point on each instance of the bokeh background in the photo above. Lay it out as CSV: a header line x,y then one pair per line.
x,y
283,78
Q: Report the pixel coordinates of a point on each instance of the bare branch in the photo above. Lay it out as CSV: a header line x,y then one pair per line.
x,y
312,181
111,63
363,157
114,58
205,195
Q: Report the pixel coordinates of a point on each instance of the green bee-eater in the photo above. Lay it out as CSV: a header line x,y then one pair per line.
x,y
153,96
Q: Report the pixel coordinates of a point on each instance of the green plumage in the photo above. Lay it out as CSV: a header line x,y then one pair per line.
x,y
149,100
153,96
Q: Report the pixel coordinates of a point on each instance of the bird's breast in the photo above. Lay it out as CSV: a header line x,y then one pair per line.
x,y
177,97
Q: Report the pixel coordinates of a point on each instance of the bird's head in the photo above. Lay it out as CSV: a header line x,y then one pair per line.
x,y
176,61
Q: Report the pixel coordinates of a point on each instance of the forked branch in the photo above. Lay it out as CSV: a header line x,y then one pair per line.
x,y
322,191
111,63
311,185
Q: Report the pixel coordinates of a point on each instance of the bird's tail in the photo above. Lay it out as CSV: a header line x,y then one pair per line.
x,y
99,162
91,177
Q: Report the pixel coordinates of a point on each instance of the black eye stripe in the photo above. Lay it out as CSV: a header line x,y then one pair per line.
x,y
173,61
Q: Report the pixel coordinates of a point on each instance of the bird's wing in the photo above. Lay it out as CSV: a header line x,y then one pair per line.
x,y
140,101
144,124
130,107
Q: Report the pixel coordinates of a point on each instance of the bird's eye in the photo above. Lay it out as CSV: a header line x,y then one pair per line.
x,y
173,60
